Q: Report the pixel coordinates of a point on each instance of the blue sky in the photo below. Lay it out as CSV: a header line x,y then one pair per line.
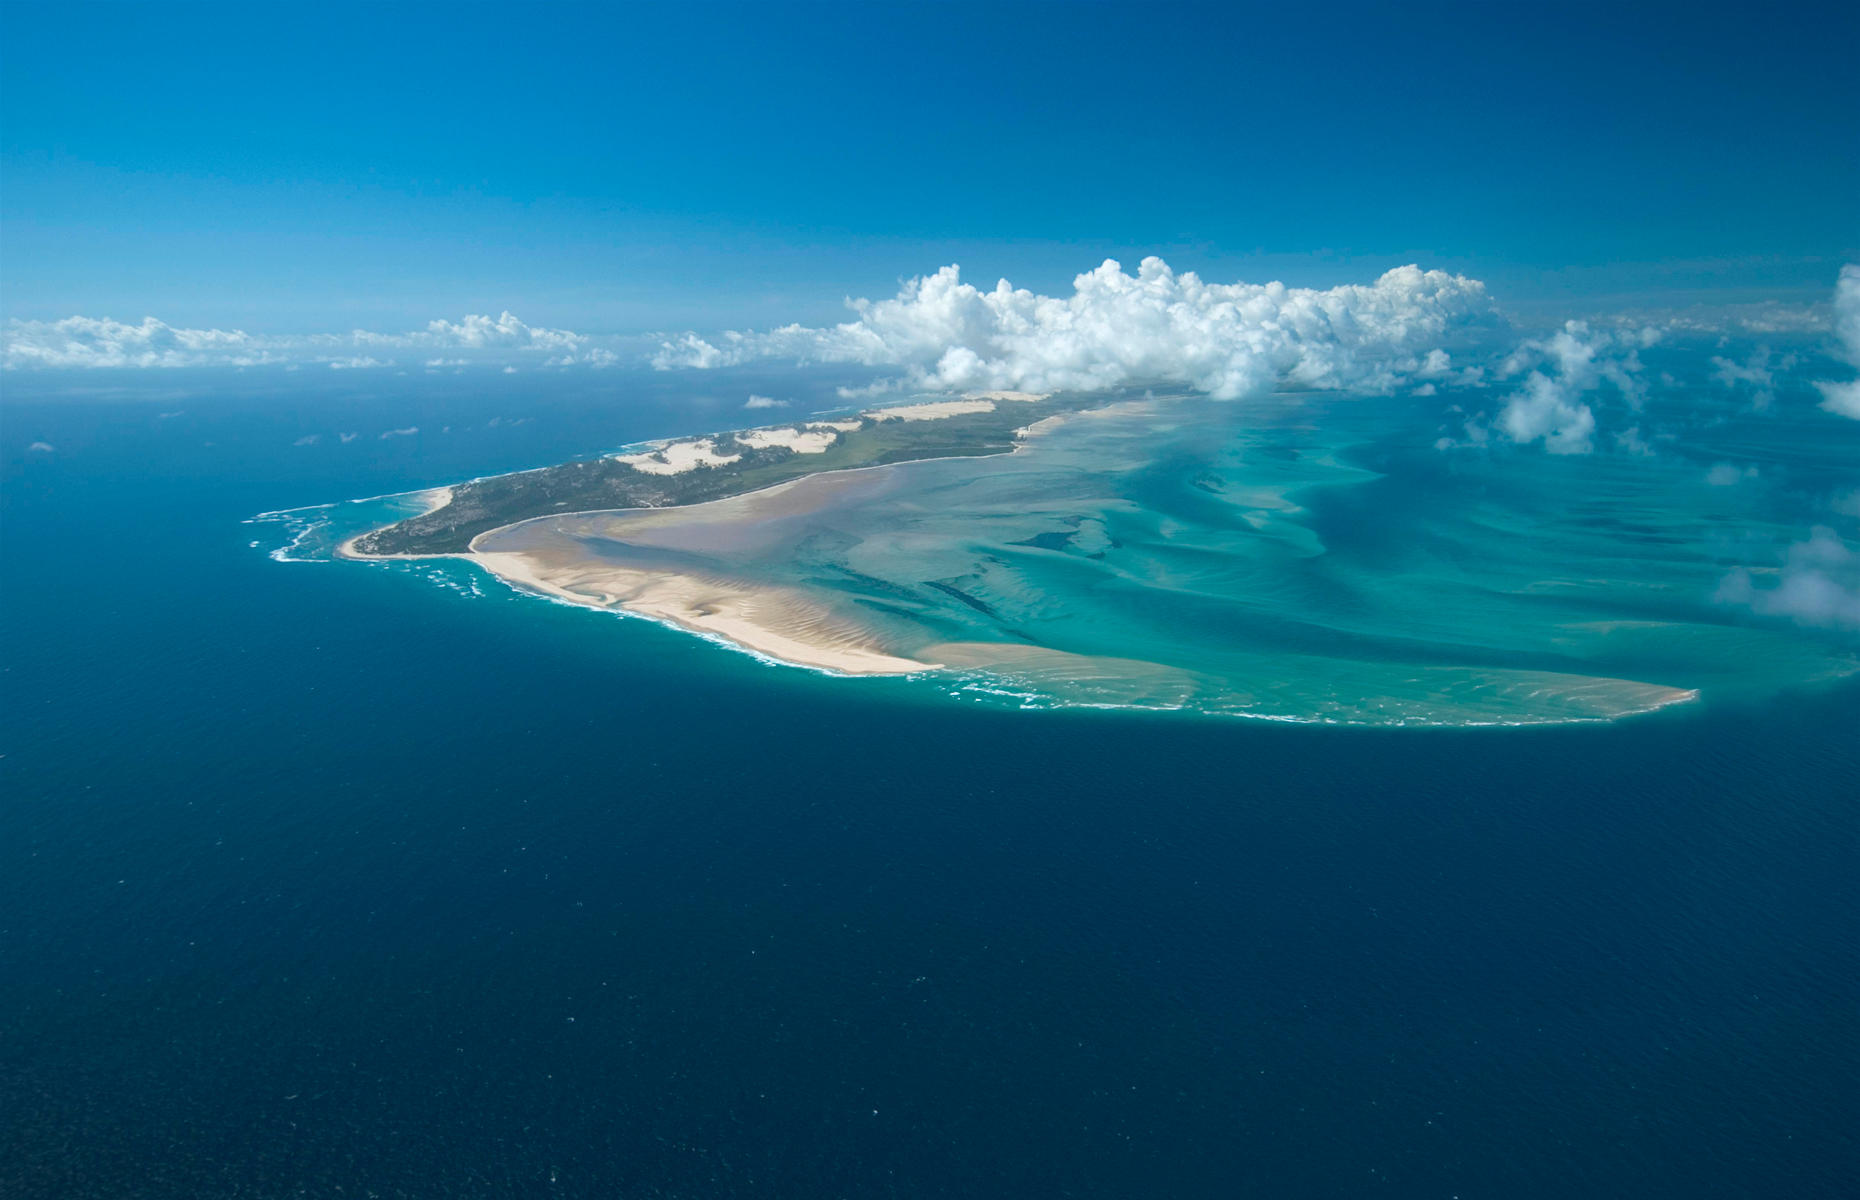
x,y
625,168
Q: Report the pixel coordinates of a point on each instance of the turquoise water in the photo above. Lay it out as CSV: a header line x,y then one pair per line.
x,y
1301,559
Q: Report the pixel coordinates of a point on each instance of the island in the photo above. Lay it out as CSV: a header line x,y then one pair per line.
x,y
694,470
1145,551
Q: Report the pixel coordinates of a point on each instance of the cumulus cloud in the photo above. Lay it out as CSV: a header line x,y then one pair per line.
x,y
764,402
1844,398
1560,373
1726,474
1117,329
102,342
505,331
1818,584
409,431
93,342
40,448
308,439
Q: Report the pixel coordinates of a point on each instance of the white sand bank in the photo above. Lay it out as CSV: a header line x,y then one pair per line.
x,y
774,622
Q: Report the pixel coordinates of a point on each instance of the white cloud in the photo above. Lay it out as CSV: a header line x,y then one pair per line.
x,y
93,342
1115,330
1754,373
1847,503
409,431
505,331
1818,584
764,402
308,439
102,342
1559,373
346,438
690,350
40,448
1548,410
1844,398
595,356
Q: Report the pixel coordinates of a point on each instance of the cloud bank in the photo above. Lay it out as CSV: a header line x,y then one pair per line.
x,y
1844,398
1117,330
76,342
90,342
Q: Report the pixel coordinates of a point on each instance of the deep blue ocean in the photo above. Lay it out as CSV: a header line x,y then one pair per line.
x,y
318,879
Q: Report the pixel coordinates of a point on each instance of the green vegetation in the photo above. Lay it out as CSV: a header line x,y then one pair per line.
x,y
604,483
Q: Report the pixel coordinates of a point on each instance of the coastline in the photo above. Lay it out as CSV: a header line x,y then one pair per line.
x,y
435,499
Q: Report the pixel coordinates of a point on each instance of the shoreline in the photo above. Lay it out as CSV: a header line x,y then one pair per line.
x,y
734,614
437,497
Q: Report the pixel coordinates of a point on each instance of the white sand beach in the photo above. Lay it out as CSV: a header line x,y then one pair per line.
x,y
775,622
